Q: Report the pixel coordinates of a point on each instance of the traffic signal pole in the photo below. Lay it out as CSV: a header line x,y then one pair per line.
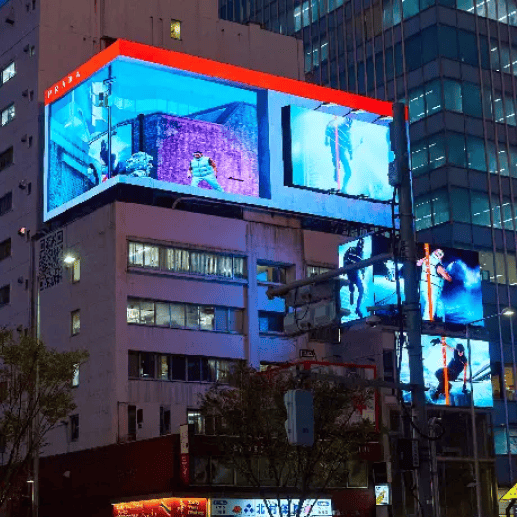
x,y
412,317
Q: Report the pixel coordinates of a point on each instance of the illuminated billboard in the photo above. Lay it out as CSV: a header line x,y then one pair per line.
x,y
253,507
154,118
163,507
450,281
447,371
340,154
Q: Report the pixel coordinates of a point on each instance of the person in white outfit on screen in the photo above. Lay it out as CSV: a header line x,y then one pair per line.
x,y
201,169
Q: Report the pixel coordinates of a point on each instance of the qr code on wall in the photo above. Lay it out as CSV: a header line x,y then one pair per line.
x,y
50,260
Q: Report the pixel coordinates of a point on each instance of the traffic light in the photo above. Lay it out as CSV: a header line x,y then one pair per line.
x,y
300,417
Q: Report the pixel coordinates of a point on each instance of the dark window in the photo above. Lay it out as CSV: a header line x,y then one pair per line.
x,y
448,46
5,249
147,369
139,418
178,367
165,420
6,158
194,368
131,422
5,295
132,365
468,50
271,321
74,428
6,203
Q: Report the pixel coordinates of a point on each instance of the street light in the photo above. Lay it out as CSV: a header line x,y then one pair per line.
x,y
507,312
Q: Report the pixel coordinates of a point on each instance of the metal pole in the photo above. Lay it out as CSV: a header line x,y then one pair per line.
x,y
412,314
474,430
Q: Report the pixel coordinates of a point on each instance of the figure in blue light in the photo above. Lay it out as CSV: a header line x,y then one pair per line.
x,y
337,136
352,256
201,169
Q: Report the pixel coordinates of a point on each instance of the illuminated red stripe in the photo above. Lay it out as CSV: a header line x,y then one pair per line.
x,y
215,69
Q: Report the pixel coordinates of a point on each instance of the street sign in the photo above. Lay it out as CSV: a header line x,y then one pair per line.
x,y
511,494
307,352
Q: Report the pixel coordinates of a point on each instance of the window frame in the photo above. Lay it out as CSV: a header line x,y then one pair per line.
x,y
75,331
10,118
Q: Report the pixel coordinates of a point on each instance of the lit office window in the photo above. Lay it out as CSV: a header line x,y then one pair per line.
x,y
271,274
184,315
175,29
316,270
144,255
76,322
76,270
7,115
8,72
75,378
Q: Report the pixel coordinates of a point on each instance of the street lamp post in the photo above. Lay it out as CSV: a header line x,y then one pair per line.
x,y
507,312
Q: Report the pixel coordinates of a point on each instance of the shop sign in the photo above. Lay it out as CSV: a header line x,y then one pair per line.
x,y
256,507
382,494
164,507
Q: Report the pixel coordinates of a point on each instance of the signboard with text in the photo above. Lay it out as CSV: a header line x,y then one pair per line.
x,y
163,507
254,507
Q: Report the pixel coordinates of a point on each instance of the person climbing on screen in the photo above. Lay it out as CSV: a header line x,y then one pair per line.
x,y
117,167
456,366
353,255
202,168
337,136
431,285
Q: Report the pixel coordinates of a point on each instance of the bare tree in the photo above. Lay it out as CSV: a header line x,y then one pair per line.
x,y
252,417
35,395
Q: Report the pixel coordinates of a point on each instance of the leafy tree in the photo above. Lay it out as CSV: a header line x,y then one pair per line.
x,y
35,395
252,415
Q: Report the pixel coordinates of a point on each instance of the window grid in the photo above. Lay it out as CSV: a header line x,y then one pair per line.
x,y
174,367
192,262
184,316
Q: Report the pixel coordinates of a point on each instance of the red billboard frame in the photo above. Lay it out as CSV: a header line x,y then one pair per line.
x,y
214,69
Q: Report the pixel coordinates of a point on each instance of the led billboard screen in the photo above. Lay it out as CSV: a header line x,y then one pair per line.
x,y
447,371
341,154
450,281
154,118
167,126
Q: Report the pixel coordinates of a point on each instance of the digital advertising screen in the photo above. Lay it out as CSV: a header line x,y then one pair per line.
x,y
447,371
339,154
449,281
358,293
158,119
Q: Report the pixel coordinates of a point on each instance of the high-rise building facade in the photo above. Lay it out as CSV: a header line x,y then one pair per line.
x,y
454,64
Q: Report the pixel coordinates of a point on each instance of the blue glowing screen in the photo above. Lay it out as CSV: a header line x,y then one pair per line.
x,y
447,371
450,282
340,154
112,125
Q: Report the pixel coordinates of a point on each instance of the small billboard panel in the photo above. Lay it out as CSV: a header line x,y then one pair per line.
x,y
450,281
447,371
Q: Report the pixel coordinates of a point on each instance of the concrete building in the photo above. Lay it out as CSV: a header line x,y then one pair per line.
x,y
142,260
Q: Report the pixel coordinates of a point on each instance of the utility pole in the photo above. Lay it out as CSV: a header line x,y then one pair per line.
x,y
412,316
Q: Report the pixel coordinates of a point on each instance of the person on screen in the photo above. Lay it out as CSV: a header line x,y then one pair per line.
x,y
431,285
117,167
337,136
456,366
202,168
353,255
